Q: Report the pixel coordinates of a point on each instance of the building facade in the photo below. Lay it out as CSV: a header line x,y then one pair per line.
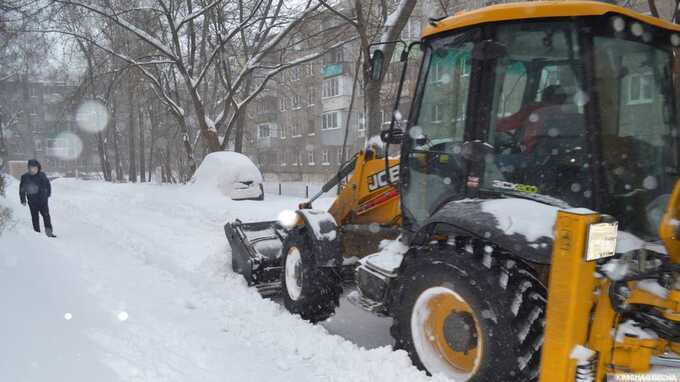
x,y
38,121
298,131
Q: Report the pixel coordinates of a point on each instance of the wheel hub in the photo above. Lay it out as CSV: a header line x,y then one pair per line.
x,y
294,273
460,332
446,333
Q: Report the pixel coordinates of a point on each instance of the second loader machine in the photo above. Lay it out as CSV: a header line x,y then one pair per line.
x,y
539,201
313,247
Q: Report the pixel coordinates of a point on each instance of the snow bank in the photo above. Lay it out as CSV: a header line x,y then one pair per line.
x,y
219,171
159,255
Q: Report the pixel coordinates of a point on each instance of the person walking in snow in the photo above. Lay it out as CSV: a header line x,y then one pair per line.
x,y
35,187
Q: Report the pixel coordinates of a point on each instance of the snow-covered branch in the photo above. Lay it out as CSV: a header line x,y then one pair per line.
x,y
143,35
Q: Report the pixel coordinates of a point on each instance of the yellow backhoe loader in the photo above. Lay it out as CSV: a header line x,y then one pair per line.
x,y
365,211
539,199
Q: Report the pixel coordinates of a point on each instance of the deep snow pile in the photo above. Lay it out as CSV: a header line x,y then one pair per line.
x,y
219,171
137,288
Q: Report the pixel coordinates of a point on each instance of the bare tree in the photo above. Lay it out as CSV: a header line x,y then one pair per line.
x,y
375,22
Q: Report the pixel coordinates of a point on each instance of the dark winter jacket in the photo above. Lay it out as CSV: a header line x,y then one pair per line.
x,y
35,187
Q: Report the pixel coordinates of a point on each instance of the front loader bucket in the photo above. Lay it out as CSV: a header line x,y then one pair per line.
x,y
256,252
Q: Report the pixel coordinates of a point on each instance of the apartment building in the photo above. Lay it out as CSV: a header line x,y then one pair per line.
x,y
299,129
39,122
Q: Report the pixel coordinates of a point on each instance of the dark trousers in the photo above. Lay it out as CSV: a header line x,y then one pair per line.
x,y
43,210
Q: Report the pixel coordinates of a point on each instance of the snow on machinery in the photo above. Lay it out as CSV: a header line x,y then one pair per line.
x,y
315,242
528,117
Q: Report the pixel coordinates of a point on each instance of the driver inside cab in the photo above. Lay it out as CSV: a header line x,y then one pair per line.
x,y
528,123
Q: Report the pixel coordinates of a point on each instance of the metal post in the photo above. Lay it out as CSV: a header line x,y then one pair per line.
x,y
306,191
570,297
279,189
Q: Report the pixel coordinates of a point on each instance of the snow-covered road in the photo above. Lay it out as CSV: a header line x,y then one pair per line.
x,y
137,288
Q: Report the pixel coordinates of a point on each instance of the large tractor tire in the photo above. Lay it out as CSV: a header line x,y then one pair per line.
x,y
310,291
470,317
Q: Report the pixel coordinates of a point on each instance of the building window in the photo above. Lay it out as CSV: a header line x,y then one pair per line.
x,y
260,107
361,121
282,158
339,55
297,102
295,73
338,155
310,158
295,129
384,118
282,103
307,70
466,67
330,120
640,88
361,124
436,72
312,95
552,76
299,158
59,147
436,113
411,30
283,132
324,158
331,87
264,131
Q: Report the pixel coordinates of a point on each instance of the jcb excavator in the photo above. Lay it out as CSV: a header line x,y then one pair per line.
x,y
539,199
365,211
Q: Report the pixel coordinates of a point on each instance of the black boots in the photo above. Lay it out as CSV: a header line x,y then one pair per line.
x,y
49,233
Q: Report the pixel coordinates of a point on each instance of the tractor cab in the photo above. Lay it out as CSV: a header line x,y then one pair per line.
x,y
527,118
562,111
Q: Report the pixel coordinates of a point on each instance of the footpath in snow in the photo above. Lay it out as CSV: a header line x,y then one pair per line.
x,y
137,288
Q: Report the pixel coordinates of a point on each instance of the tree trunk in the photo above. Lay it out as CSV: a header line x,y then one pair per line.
x,y
208,132
238,136
132,161
116,148
150,169
240,123
373,107
164,178
652,8
142,165
103,157
168,168
4,153
153,119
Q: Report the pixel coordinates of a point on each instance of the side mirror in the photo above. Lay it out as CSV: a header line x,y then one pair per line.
x,y
392,136
377,62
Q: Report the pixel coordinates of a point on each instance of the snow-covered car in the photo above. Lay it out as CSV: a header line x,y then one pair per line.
x,y
232,174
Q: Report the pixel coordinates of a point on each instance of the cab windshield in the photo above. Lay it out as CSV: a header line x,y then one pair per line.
x,y
574,117
538,120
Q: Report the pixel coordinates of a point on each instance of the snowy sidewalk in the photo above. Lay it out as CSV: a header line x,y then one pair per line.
x,y
143,272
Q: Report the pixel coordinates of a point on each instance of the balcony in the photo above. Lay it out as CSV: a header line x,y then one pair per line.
x,y
330,70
